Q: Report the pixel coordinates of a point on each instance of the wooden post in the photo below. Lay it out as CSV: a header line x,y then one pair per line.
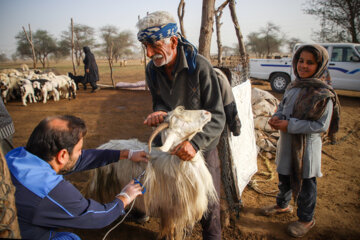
x,y
206,29
72,46
31,44
218,15
243,57
9,227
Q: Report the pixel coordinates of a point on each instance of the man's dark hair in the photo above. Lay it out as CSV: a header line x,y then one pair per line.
x,y
46,140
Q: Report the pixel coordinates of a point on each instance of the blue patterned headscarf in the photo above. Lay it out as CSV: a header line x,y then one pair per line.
x,y
153,34
156,33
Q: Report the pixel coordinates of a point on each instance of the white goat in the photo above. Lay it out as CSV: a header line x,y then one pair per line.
x,y
10,86
24,67
177,191
27,91
61,83
71,86
49,88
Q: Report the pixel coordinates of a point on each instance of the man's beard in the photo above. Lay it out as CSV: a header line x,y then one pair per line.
x,y
164,60
69,167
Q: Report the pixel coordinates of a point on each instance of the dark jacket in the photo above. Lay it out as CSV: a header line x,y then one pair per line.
x,y
196,90
6,124
45,201
90,63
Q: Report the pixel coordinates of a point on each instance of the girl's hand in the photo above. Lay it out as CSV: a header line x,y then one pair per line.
x,y
280,125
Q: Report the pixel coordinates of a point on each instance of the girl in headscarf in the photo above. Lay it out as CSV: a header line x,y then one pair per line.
x,y
309,107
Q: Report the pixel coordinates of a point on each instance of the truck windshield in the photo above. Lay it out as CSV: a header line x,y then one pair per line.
x,y
357,49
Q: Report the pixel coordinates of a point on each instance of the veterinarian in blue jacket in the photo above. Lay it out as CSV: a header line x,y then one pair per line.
x,y
45,201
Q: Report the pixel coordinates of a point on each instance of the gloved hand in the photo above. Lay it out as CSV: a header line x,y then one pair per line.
x,y
129,192
185,151
138,156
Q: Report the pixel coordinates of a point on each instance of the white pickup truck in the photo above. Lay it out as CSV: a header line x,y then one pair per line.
x,y
344,68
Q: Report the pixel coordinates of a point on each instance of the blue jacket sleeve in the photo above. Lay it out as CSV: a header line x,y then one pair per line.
x,y
65,206
94,158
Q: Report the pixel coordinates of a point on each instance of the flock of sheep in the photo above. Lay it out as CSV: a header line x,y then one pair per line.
x,y
35,86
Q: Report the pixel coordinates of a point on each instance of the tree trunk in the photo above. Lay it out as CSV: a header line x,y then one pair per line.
x,y
144,52
206,29
242,50
8,218
31,44
181,13
218,15
72,46
110,58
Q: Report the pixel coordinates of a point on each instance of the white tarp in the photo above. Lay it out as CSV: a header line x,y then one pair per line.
x,y
243,148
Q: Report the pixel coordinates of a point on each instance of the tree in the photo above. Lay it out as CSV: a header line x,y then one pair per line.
x,y
340,19
83,36
3,57
109,34
271,38
292,42
256,44
266,41
14,57
23,48
123,43
44,45
206,29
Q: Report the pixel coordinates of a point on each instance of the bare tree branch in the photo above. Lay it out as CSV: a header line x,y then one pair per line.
x,y
31,44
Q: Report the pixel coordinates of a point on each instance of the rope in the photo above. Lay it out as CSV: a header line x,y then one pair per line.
x,y
107,233
254,183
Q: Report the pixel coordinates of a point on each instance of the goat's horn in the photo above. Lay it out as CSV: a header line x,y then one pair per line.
x,y
156,132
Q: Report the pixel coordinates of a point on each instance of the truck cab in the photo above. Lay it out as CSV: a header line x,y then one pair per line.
x,y
344,68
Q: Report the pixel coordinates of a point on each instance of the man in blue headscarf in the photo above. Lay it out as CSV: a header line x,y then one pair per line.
x,y
178,76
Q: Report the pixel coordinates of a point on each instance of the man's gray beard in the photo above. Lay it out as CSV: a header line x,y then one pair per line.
x,y
165,62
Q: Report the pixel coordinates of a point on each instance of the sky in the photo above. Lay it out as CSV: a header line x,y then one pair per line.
x,y
54,16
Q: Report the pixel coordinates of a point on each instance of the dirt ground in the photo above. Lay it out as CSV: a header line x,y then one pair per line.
x,y
119,114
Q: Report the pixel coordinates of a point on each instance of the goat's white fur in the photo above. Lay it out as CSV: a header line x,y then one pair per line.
x,y
177,191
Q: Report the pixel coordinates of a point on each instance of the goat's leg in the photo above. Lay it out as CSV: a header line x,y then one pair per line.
x,y
33,96
24,100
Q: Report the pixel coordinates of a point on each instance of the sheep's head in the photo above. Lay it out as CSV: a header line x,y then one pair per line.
x,y
180,125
